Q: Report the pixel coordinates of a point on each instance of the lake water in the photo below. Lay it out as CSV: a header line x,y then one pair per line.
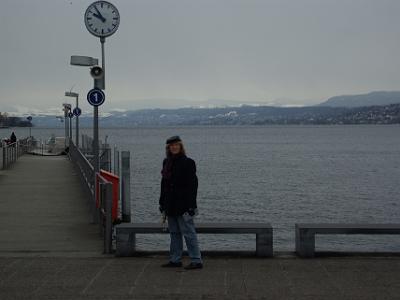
x,y
278,174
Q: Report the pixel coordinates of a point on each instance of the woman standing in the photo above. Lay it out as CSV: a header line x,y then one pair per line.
x,y
178,203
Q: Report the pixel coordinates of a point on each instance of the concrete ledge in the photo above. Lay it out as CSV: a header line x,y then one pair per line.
x,y
126,234
305,233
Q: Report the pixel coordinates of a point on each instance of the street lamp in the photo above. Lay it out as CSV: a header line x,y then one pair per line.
x,y
77,113
70,116
30,125
98,76
66,109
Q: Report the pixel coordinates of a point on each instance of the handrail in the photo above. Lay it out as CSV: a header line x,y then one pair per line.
x,y
85,167
11,152
103,213
105,159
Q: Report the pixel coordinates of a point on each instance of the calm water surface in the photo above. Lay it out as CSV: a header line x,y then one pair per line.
x,y
277,174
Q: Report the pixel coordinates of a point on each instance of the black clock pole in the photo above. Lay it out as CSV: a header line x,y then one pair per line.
x,y
96,111
103,65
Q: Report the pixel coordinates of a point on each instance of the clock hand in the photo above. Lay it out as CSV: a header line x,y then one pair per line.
x,y
99,14
98,17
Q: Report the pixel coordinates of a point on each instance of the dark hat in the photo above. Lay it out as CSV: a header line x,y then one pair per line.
x,y
173,139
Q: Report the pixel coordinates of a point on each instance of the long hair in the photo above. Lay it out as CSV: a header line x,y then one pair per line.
x,y
168,153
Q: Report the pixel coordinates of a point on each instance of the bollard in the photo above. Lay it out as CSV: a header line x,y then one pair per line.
x,y
4,156
108,218
126,186
116,161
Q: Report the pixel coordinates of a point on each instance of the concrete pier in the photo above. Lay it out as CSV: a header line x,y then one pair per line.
x,y
43,209
222,278
49,250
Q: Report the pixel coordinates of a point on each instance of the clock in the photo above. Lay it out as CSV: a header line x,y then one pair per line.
x,y
102,18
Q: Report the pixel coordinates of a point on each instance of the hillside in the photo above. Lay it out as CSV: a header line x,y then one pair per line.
x,y
243,115
370,99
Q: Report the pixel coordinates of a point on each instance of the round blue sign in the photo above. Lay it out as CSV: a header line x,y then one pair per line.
x,y
96,97
77,111
70,115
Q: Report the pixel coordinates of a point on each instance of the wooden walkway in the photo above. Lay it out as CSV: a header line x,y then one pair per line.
x,y
43,210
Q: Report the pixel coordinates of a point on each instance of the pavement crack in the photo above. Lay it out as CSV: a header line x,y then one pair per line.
x,y
96,276
225,279
15,271
179,287
244,280
47,277
132,289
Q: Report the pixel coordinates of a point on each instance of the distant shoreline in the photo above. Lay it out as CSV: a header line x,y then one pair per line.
x,y
215,126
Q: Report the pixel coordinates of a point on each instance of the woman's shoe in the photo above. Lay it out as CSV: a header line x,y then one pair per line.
x,y
193,266
172,265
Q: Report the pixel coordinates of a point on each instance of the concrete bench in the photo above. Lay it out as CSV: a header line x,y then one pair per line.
x,y
126,232
305,233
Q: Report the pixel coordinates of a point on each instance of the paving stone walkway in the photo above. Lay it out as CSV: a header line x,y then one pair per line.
x,y
222,278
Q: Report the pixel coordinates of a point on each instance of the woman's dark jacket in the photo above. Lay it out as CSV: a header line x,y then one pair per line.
x,y
178,185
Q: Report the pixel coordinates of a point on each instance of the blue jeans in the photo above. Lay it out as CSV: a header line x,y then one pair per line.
x,y
178,226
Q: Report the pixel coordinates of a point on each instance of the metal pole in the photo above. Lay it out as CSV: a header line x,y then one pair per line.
x,y
4,148
108,225
116,161
103,63
66,126
95,147
126,186
77,126
70,131
96,139
96,160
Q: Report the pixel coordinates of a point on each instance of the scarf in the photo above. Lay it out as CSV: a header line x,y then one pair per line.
x,y
166,171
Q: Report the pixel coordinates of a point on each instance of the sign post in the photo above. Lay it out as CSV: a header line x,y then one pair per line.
x,y
66,109
76,95
96,97
75,112
70,116
30,125
101,20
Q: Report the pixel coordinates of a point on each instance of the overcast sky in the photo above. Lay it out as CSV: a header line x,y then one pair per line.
x,y
170,53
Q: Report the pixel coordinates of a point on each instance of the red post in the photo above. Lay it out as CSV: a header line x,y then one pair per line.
x,y
114,180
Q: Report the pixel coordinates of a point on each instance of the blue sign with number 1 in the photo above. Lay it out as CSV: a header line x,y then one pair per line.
x,y
96,97
77,111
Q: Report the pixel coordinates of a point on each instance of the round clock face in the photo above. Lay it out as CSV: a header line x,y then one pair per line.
x,y
102,18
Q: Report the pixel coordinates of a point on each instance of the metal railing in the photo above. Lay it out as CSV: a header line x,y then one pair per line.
x,y
105,212
86,170
11,152
105,159
121,167
86,144
104,150
101,211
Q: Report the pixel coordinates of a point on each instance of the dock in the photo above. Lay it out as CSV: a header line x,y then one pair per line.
x,y
43,209
222,278
50,250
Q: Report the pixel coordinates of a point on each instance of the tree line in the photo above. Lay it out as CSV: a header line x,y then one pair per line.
x,y
11,121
